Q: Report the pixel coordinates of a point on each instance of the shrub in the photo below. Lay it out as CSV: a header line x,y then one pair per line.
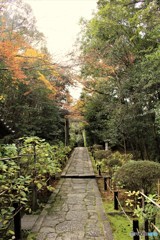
x,y
96,147
123,158
102,154
114,162
113,165
19,176
137,175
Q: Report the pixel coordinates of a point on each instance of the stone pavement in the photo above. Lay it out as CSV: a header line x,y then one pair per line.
x,y
79,165
75,210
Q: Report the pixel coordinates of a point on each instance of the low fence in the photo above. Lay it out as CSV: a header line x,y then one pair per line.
x,y
136,233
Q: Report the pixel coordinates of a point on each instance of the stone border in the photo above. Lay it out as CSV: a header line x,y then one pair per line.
x,y
68,164
37,225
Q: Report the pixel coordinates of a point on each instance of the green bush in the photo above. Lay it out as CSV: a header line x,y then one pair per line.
x,y
113,165
114,162
123,158
96,147
8,150
102,154
38,163
137,175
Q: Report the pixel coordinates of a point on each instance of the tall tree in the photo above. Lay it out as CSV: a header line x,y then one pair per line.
x,y
33,88
120,49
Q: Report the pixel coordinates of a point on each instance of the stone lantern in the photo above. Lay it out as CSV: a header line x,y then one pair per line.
x,y
106,144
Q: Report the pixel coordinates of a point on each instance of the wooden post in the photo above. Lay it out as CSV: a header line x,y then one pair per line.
x,y
145,220
105,183
34,198
116,200
66,128
146,229
99,169
34,188
135,230
17,221
17,212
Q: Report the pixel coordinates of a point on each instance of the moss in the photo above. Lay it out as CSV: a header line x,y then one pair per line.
x,y
32,236
120,225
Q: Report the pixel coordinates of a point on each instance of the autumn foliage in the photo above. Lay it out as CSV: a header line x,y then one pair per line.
x,y
31,82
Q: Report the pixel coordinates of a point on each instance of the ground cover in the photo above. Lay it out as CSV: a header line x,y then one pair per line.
x,y
120,224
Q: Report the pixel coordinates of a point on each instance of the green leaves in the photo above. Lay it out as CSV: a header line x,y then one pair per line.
x,y
137,175
149,211
120,61
17,175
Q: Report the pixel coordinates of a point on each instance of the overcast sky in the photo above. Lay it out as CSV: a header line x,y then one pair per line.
x,y
59,21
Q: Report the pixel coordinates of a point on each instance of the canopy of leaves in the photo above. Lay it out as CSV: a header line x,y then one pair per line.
x,y
33,88
120,69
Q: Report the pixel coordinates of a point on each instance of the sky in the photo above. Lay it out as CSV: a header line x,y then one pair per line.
x,y
59,20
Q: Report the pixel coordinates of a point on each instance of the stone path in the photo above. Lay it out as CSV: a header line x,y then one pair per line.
x,y
74,210
79,164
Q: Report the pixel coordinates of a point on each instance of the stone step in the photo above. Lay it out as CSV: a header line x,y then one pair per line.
x,y
78,176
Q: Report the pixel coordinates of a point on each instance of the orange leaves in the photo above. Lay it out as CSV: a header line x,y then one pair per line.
x,y
29,64
11,43
21,63
76,110
41,67
8,52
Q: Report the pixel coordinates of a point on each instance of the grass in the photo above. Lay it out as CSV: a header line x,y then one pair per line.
x,y
120,225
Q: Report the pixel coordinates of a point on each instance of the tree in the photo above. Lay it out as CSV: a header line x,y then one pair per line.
x,y
33,88
18,18
119,53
